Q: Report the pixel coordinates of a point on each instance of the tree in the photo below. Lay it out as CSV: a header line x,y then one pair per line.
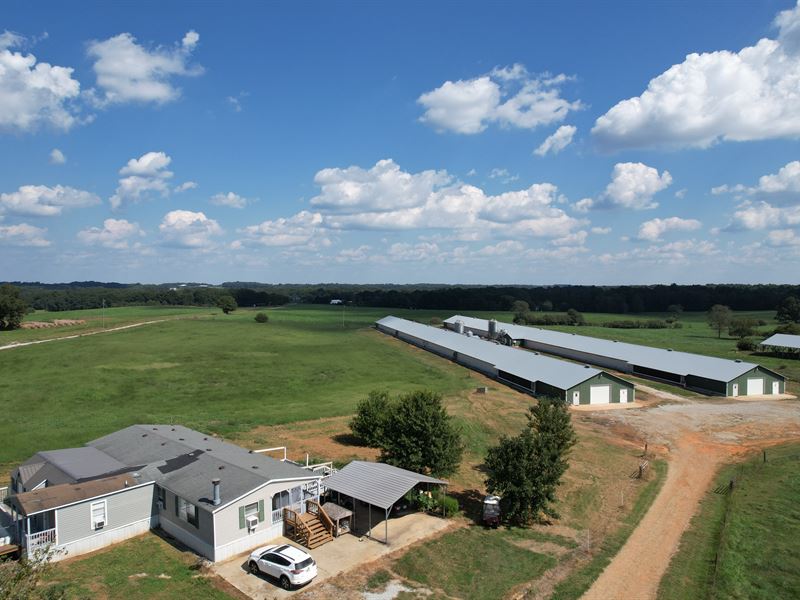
x,y
372,414
526,470
23,579
227,304
719,318
261,317
435,322
788,310
575,318
520,308
420,436
675,311
12,307
742,328
546,305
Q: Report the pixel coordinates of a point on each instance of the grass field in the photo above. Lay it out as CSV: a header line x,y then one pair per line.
x,y
142,568
743,545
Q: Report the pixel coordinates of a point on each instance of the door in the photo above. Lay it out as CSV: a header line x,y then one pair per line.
x,y
776,387
623,396
755,387
270,564
600,394
735,391
576,398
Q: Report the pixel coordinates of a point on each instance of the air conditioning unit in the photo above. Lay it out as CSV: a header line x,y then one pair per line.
x,y
99,524
252,522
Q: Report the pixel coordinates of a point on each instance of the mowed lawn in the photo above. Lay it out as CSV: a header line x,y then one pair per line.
x,y
752,534
222,375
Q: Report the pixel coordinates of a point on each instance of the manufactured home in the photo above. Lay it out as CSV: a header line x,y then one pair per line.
x,y
530,372
706,374
217,498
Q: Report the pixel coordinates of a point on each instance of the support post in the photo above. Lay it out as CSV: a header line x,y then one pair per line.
x,y
369,520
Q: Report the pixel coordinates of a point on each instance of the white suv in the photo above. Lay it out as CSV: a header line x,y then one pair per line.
x,y
290,565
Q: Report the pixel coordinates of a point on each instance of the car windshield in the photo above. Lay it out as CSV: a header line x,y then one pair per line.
x,y
305,563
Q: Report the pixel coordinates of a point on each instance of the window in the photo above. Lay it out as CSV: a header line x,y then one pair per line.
x,y
251,510
161,497
98,512
187,511
287,498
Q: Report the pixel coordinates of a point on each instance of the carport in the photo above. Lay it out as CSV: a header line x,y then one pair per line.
x,y
376,484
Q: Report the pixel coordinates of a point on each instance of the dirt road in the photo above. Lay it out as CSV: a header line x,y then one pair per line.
x,y
78,335
700,435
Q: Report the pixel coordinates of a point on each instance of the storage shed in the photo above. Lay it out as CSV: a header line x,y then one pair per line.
x,y
530,372
705,374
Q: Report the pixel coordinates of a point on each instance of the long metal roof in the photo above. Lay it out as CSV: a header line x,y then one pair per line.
x,y
527,365
378,484
783,340
681,363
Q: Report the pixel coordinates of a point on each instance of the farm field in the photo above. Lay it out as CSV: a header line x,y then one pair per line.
x,y
295,381
752,534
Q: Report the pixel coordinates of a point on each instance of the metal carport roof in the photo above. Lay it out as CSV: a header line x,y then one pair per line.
x,y
377,484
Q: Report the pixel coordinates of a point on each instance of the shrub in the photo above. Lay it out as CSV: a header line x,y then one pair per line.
x,y
435,322
261,317
746,344
448,505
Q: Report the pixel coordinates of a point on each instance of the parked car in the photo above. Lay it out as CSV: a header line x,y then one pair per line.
x,y
491,511
291,566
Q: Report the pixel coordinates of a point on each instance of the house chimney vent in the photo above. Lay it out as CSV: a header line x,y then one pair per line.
x,y
216,498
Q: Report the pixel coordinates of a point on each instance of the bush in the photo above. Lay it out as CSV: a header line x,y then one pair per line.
x,y
645,324
746,344
372,414
261,318
448,505
435,322
790,328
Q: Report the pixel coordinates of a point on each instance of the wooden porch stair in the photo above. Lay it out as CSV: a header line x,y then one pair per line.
x,y
311,529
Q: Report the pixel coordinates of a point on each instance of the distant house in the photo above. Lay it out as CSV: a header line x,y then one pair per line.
x,y
217,498
337,301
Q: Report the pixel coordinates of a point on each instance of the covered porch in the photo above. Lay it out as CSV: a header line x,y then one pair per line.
x,y
371,492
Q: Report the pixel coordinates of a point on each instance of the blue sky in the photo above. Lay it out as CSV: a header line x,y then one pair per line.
x,y
369,142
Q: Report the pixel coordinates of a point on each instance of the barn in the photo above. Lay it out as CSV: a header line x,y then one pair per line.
x,y
783,344
705,374
530,372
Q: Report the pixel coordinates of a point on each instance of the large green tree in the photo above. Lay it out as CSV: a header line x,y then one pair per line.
x,y
526,470
372,414
719,318
419,435
227,304
788,310
12,307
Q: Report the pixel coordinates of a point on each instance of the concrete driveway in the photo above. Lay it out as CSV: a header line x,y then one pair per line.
x,y
338,556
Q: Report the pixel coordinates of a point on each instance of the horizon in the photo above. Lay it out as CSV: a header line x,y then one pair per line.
x,y
282,142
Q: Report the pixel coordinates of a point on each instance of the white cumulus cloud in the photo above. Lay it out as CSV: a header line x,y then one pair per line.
x,y
32,93
129,72
510,97
44,201
783,237
763,215
753,94
187,229
653,229
302,228
633,186
23,235
141,177
115,234
230,199
57,157
783,186
556,142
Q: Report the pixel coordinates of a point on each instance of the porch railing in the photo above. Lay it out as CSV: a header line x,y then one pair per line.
x,y
3,494
277,514
42,539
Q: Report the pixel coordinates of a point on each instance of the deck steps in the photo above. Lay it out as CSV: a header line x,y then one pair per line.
x,y
307,529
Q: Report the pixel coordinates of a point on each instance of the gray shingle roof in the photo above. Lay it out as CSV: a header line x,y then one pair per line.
x,y
185,461
528,365
682,363
783,340
82,463
378,484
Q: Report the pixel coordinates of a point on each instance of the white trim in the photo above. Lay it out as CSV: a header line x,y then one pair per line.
x,y
92,522
266,483
82,500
